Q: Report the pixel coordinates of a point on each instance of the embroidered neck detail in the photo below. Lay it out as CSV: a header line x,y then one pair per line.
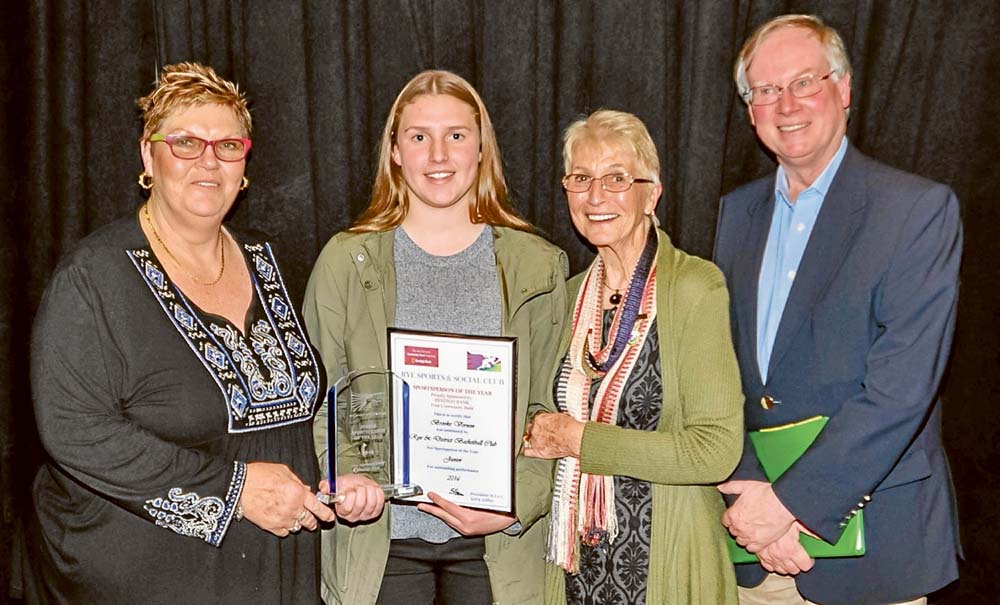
x,y
268,377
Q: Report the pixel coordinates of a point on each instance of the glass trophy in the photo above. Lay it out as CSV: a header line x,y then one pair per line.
x,y
367,416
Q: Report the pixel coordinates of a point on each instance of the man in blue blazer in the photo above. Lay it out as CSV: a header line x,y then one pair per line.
x,y
843,277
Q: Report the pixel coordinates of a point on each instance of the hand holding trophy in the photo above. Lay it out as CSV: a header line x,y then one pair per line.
x,y
439,420
368,425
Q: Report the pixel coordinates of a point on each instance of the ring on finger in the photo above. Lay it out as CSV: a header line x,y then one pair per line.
x,y
301,517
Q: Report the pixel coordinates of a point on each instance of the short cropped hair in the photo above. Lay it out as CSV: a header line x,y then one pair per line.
x,y
390,201
618,129
833,46
184,85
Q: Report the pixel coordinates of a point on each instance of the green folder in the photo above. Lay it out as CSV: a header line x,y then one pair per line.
x,y
777,449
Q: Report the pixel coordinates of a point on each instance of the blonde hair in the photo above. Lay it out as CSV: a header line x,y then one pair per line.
x,y
833,47
616,128
390,197
184,85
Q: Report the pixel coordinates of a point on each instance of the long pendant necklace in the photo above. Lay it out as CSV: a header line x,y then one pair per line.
x,y
615,298
629,310
222,251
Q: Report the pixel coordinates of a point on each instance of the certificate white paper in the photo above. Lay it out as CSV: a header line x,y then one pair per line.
x,y
453,424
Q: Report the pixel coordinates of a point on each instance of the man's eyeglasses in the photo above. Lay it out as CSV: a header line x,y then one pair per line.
x,y
187,147
615,182
800,88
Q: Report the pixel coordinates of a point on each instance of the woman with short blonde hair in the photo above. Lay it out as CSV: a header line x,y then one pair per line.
x,y
174,389
647,391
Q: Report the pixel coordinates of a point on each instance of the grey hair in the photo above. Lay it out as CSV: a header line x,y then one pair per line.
x,y
833,47
618,128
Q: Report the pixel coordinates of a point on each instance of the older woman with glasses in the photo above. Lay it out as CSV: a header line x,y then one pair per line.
x,y
647,389
174,389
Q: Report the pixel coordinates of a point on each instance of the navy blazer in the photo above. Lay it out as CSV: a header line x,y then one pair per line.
x,y
864,339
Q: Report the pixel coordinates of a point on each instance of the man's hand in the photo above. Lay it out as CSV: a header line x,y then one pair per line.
x,y
757,518
466,521
785,555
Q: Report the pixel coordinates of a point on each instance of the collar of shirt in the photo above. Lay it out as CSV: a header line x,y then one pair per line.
x,y
822,183
791,226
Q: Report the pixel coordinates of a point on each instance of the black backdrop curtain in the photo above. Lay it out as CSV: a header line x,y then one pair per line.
x,y
322,75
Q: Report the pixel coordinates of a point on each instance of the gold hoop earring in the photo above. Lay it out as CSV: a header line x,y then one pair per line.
x,y
145,181
244,184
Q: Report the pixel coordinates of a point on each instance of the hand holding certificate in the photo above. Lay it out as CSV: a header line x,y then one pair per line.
x,y
453,416
440,420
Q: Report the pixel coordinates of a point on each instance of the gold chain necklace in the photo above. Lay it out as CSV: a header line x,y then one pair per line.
x,y
615,298
222,250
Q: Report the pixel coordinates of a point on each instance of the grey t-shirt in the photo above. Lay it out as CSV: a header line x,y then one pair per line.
x,y
459,294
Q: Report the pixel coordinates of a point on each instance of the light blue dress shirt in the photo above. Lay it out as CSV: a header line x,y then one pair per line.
x,y
791,226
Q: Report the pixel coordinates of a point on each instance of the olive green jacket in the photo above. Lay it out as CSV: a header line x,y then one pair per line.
x,y
350,301
696,444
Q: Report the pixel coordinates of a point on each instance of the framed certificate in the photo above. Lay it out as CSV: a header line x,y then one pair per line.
x,y
453,416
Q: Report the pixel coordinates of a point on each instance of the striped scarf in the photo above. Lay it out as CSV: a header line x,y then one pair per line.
x,y
583,505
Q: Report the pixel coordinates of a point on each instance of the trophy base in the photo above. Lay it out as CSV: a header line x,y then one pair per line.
x,y
398,490
401,490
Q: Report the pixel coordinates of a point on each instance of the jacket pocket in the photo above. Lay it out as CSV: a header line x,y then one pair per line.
x,y
914,466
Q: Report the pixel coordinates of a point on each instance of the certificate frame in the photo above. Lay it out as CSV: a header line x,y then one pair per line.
x,y
454,424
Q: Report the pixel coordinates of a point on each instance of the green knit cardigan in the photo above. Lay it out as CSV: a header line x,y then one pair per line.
x,y
697,443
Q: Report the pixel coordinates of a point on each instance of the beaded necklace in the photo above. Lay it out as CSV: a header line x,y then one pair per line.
x,y
627,313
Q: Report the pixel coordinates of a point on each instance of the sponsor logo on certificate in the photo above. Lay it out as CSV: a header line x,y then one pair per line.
x,y
420,356
483,363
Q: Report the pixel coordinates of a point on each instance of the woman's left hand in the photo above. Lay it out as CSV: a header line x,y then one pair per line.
x,y
553,435
466,521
